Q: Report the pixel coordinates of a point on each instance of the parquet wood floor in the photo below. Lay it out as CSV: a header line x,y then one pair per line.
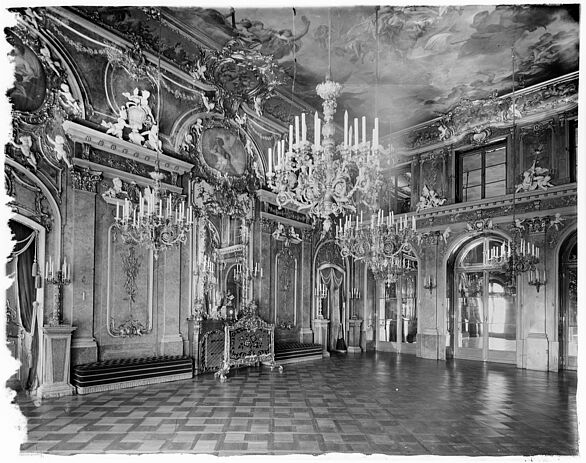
x,y
373,403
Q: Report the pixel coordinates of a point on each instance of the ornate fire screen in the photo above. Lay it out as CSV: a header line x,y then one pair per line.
x,y
248,342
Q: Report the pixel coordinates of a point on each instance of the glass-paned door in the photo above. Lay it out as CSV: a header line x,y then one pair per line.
x,y
568,322
485,314
397,316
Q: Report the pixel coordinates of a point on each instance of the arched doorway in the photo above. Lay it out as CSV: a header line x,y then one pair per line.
x,y
332,281
568,304
398,312
485,311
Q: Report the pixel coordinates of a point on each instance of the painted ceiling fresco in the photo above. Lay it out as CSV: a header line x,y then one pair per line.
x,y
429,58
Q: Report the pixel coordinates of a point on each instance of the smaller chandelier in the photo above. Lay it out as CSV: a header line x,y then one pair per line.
x,y
382,246
322,179
155,222
514,257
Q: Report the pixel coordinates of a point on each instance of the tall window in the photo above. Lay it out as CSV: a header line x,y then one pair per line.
x,y
482,173
573,149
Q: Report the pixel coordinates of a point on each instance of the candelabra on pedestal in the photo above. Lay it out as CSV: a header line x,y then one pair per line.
x,y
354,296
243,275
322,293
59,279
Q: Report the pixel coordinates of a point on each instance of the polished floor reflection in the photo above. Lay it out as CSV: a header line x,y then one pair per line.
x,y
367,403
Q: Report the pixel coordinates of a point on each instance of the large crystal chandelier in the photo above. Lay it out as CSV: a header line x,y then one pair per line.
x,y
382,246
322,179
157,222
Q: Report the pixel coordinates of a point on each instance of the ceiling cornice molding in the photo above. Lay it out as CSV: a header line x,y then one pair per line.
x,y
451,128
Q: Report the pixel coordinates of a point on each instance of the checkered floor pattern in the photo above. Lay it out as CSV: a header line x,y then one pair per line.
x,y
373,403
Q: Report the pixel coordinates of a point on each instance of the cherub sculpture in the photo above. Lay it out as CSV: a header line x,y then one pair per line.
x,y
67,99
25,146
60,149
206,102
153,141
198,127
115,190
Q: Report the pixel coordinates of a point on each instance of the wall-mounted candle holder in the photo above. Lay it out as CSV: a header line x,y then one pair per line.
x,y
536,279
429,284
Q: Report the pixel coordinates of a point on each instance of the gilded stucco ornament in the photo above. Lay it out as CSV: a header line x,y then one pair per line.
x,y
41,99
85,179
478,119
136,115
131,264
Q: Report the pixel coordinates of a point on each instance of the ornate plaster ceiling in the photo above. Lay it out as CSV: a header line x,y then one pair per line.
x,y
429,57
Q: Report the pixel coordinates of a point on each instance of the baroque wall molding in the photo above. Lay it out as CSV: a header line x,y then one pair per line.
x,y
557,197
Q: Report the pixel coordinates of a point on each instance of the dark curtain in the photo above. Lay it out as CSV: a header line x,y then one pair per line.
x,y
26,281
333,279
26,292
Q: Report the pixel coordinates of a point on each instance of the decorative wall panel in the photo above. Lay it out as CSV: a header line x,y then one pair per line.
x,y
129,306
286,288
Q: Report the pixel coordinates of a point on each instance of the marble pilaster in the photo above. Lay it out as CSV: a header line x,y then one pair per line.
x,y
81,248
168,306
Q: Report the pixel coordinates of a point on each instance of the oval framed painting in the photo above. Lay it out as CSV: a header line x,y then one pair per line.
x,y
223,151
30,86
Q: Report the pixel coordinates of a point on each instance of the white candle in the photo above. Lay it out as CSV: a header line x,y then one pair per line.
x,y
46,269
375,141
345,128
355,131
290,138
318,136
315,130
363,129
270,160
297,130
303,128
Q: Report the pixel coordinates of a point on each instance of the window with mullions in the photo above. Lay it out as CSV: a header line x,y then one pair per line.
x,y
482,173
573,149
